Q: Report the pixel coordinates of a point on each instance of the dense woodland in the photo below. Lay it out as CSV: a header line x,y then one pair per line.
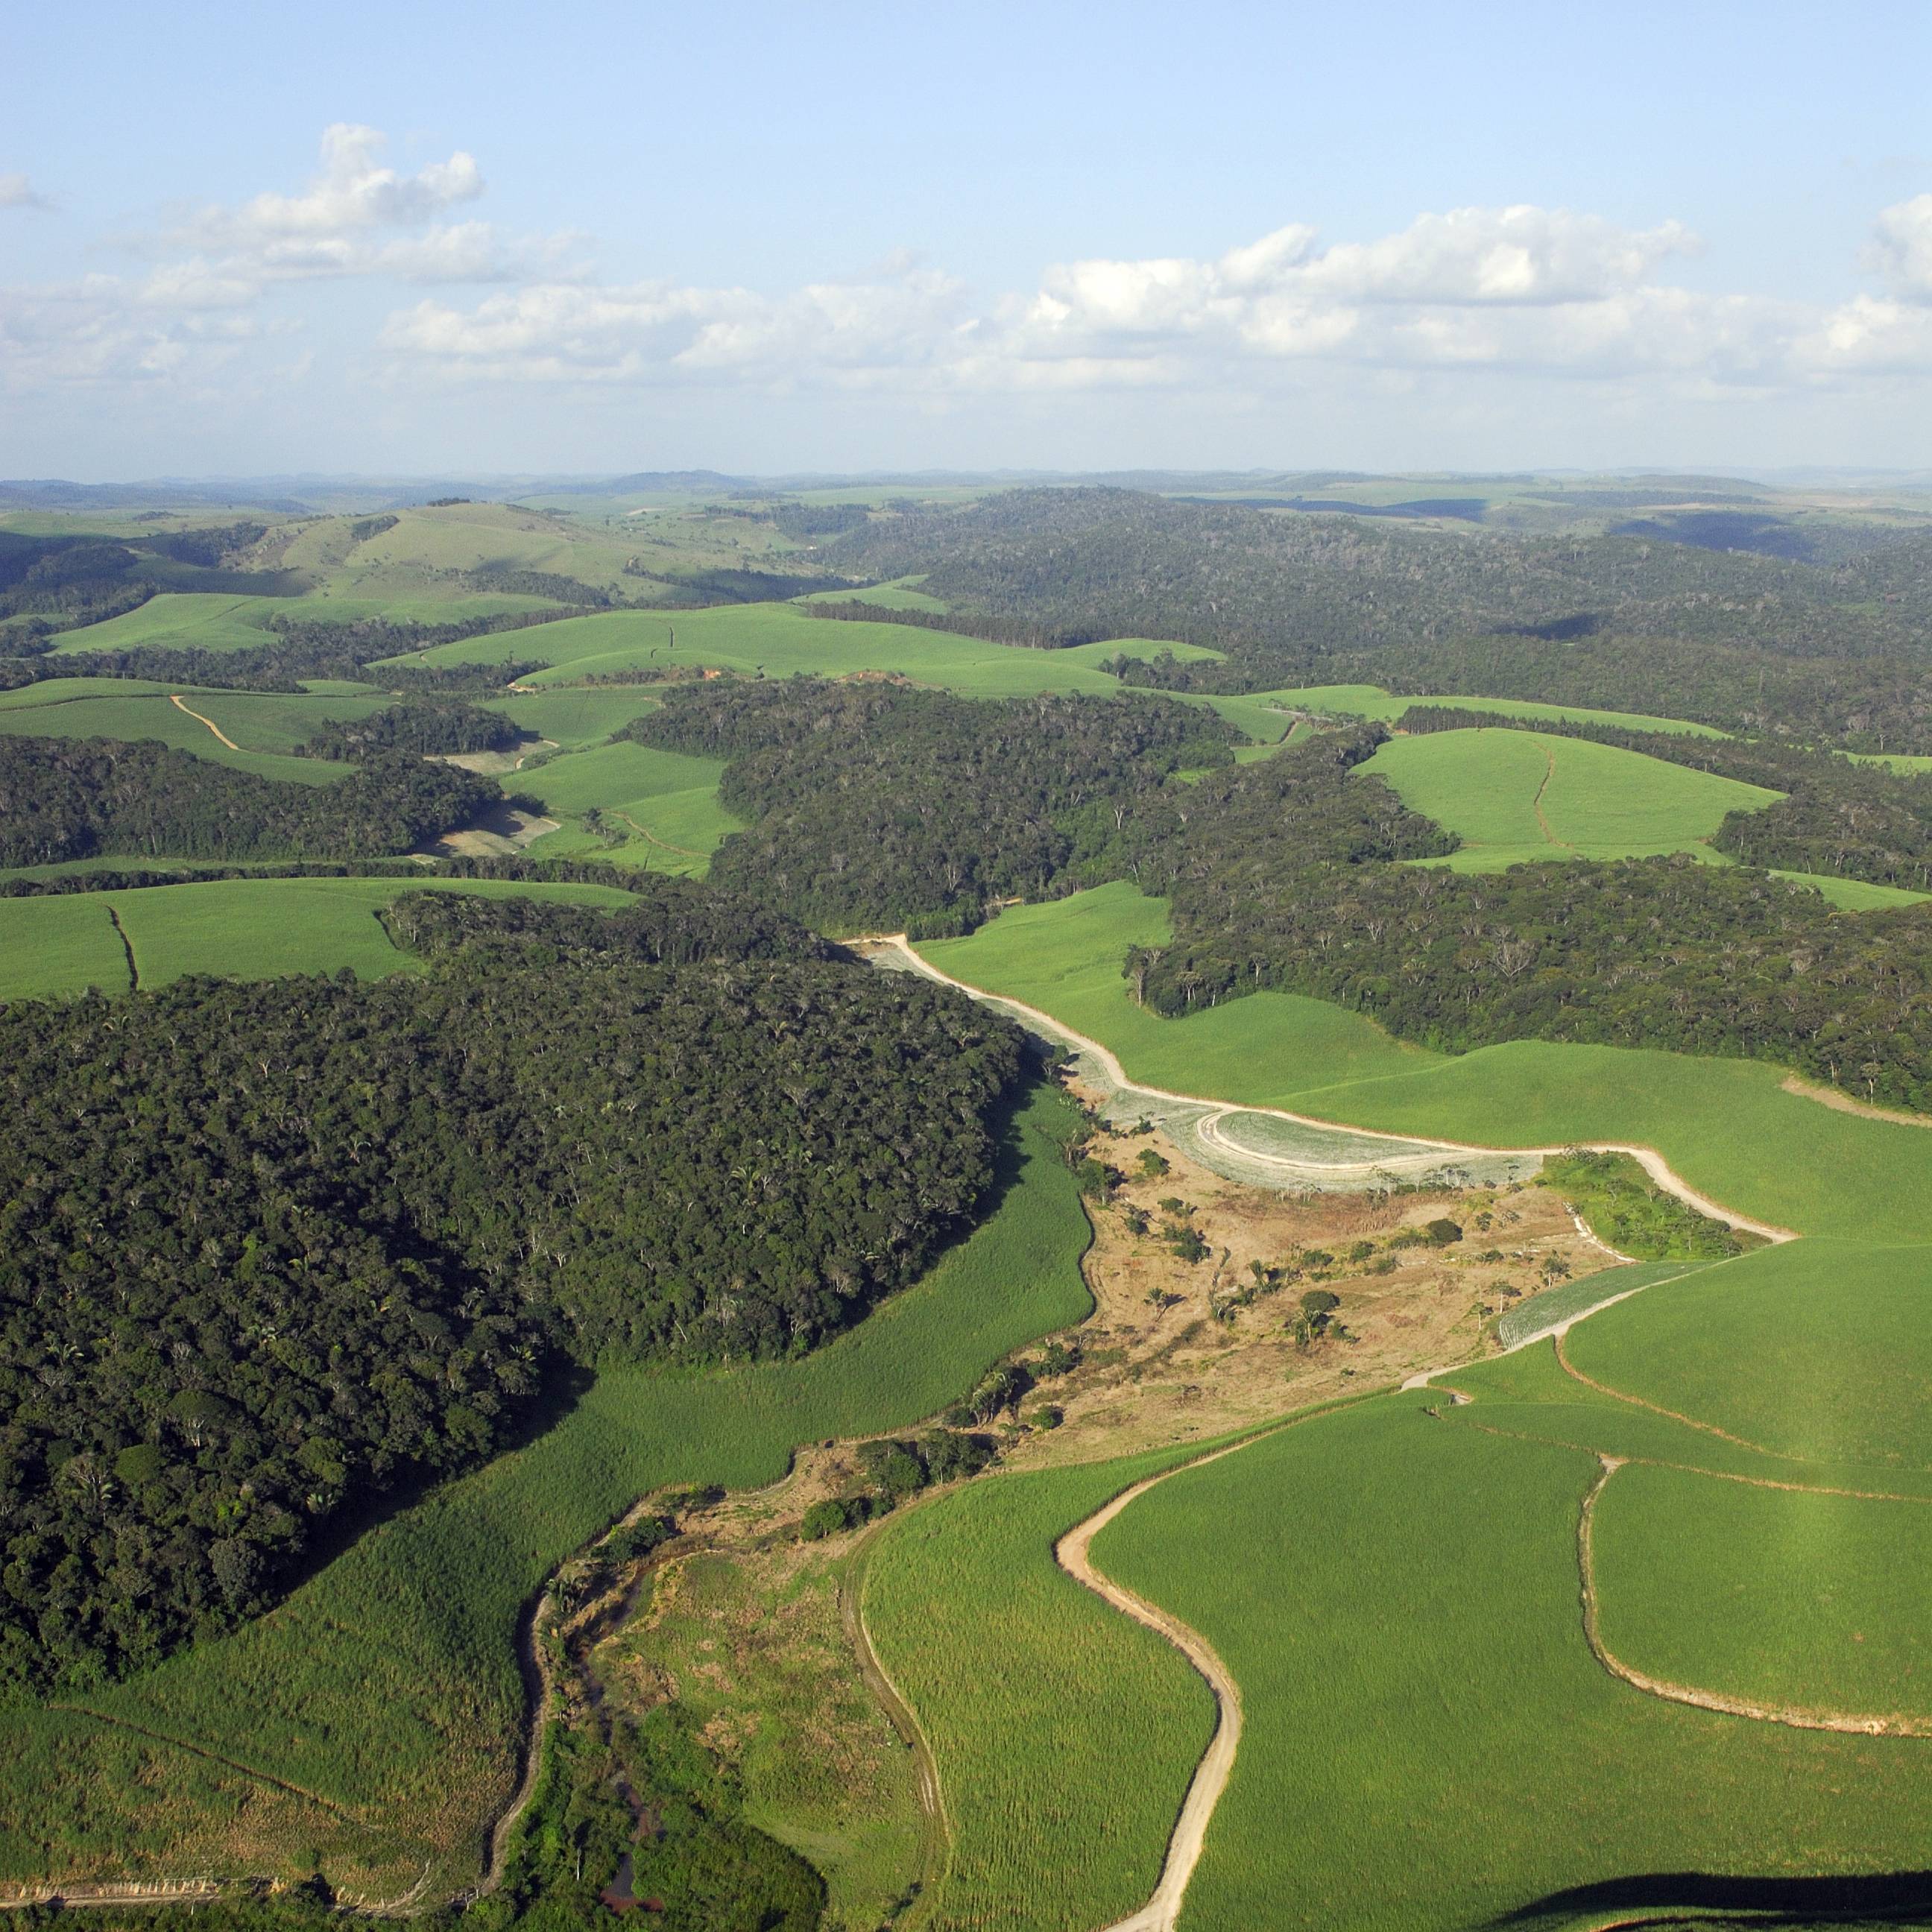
x,y
267,1253
1833,650
71,798
877,803
431,728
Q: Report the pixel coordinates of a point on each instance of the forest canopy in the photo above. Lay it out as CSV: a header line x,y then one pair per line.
x,y
270,1250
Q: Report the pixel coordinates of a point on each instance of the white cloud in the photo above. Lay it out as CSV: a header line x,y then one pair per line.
x,y
1901,248
353,193
1514,288
17,191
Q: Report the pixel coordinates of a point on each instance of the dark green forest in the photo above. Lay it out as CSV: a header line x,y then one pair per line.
x,y
270,1251
876,803
70,798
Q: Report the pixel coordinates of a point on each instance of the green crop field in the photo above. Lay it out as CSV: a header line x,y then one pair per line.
x,y
266,726
668,800
209,621
1511,796
1780,1598
387,1684
1855,895
775,641
576,719
903,593
1370,701
1726,1125
247,928
1397,1600
1034,1696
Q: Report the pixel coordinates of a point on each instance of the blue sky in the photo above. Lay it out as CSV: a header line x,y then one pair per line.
x,y
238,239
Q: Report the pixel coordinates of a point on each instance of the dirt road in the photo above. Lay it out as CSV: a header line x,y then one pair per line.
x,y
176,700
1652,1162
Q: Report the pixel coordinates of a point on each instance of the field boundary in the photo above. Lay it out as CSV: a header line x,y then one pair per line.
x,y
1791,1716
1652,1162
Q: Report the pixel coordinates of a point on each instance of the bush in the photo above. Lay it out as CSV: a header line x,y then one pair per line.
x,y
1443,1232
828,1518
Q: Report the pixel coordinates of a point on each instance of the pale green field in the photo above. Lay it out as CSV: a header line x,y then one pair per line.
x,y
576,719
903,593
210,621
1855,895
1778,1597
668,798
264,724
1725,1125
776,640
1397,1600
1512,796
1370,701
243,928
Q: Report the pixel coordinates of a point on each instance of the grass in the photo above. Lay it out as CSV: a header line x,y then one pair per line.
x,y
1725,1125
176,620
667,799
1855,895
576,719
266,726
776,640
755,1646
1398,1600
1774,1596
387,1683
1370,701
1819,1350
246,929
1511,796
1065,1733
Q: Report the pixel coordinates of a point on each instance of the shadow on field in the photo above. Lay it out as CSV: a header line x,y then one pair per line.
x,y
1652,1898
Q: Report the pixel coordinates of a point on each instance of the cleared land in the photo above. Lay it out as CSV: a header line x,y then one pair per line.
x,y
1036,1698
1370,701
247,928
1726,1126
665,802
1512,796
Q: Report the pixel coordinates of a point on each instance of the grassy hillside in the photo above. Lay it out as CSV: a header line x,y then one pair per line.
x,y
1726,1125
1371,701
984,1635
387,1686
1512,796
250,929
667,803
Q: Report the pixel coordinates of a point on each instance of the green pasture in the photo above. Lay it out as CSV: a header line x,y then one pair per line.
x,y
1512,795
775,640
209,621
576,719
1397,1599
667,800
387,1683
1819,1350
245,928
1371,701
902,593
1725,1125
1143,650
1035,1698
266,725
1855,895
1781,1597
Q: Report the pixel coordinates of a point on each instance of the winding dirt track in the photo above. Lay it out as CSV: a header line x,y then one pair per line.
x,y
1652,1162
1163,1910
176,700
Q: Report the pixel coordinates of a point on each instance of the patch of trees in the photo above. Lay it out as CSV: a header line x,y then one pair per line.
x,y
877,803
267,1253
995,629
433,728
1633,1215
1838,817
71,798
1654,953
539,583
800,521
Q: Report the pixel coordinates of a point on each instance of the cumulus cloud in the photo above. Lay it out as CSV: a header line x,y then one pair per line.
x,y
17,191
1474,288
1901,248
357,217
